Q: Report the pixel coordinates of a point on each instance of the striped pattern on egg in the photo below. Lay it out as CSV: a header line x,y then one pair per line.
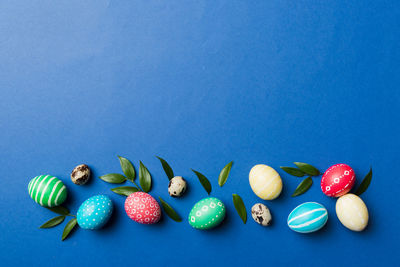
x,y
207,213
47,190
265,182
308,217
352,212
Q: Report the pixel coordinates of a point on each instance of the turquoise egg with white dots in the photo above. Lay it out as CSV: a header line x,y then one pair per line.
x,y
207,213
95,212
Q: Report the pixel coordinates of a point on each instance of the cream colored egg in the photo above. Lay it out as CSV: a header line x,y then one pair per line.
x,y
352,212
265,182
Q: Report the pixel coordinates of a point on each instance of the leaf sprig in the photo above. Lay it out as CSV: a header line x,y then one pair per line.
x,y
302,170
170,211
204,181
63,213
365,183
240,207
223,176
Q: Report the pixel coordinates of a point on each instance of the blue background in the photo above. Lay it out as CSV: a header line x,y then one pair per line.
x,y
199,83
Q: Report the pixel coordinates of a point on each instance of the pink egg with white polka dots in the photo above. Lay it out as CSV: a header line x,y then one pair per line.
x,y
142,208
338,180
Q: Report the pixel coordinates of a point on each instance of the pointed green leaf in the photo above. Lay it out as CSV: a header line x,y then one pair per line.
x,y
365,183
144,178
127,168
204,181
68,228
125,190
307,168
303,187
167,169
293,171
170,211
223,176
53,222
240,207
113,178
59,210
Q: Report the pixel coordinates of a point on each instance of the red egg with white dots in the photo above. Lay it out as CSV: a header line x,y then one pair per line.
x,y
142,208
338,180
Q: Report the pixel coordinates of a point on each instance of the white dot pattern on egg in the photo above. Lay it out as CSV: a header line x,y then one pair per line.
x,y
95,212
207,213
142,208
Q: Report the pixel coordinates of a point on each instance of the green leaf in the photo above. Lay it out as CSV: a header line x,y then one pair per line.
x,y
204,181
144,178
293,171
125,190
167,169
127,168
303,187
223,176
365,183
240,207
59,210
68,228
307,168
114,178
53,222
170,211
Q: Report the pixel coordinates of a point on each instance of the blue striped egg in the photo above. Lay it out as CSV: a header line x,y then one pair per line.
x,y
308,217
94,212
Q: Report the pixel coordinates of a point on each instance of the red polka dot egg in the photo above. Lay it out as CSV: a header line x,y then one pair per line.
x,y
338,180
142,208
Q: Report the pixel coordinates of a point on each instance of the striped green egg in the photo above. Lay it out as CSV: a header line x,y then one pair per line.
x,y
47,190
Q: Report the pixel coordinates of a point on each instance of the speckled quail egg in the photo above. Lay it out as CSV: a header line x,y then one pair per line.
x,y
261,214
80,174
177,186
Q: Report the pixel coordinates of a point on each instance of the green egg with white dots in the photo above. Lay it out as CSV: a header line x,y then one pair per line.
x,y
207,213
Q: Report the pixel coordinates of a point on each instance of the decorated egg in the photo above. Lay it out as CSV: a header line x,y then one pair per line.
x,y
94,212
142,208
338,180
47,190
207,213
265,182
308,217
352,212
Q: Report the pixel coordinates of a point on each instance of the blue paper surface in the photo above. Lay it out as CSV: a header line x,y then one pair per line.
x,y
198,83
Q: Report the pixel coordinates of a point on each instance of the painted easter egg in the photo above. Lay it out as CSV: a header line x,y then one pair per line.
x,y
207,213
47,190
338,180
95,212
352,212
142,208
265,182
308,217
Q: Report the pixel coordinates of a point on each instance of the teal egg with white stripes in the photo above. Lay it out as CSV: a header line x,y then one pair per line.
x,y
47,190
308,217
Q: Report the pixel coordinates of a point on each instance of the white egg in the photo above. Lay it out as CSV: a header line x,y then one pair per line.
x,y
265,182
352,212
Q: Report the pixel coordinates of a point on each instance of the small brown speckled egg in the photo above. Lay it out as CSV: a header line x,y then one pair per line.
x,y
177,186
261,214
80,174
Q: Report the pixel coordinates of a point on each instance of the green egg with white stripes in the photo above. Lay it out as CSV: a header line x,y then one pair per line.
x,y
47,190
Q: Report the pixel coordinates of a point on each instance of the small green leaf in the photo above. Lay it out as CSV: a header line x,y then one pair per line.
x,y
307,168
113,178
127,168
223,176
59,210
204,181
293,171
68,228
170,211
144,178
365,183
303,187
53,222
167,169
240,207
125,190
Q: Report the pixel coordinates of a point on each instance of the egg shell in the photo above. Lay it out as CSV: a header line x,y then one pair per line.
x,y
207,213
265,182
47,190
352,212
307,217
95,212
142,208
338,180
